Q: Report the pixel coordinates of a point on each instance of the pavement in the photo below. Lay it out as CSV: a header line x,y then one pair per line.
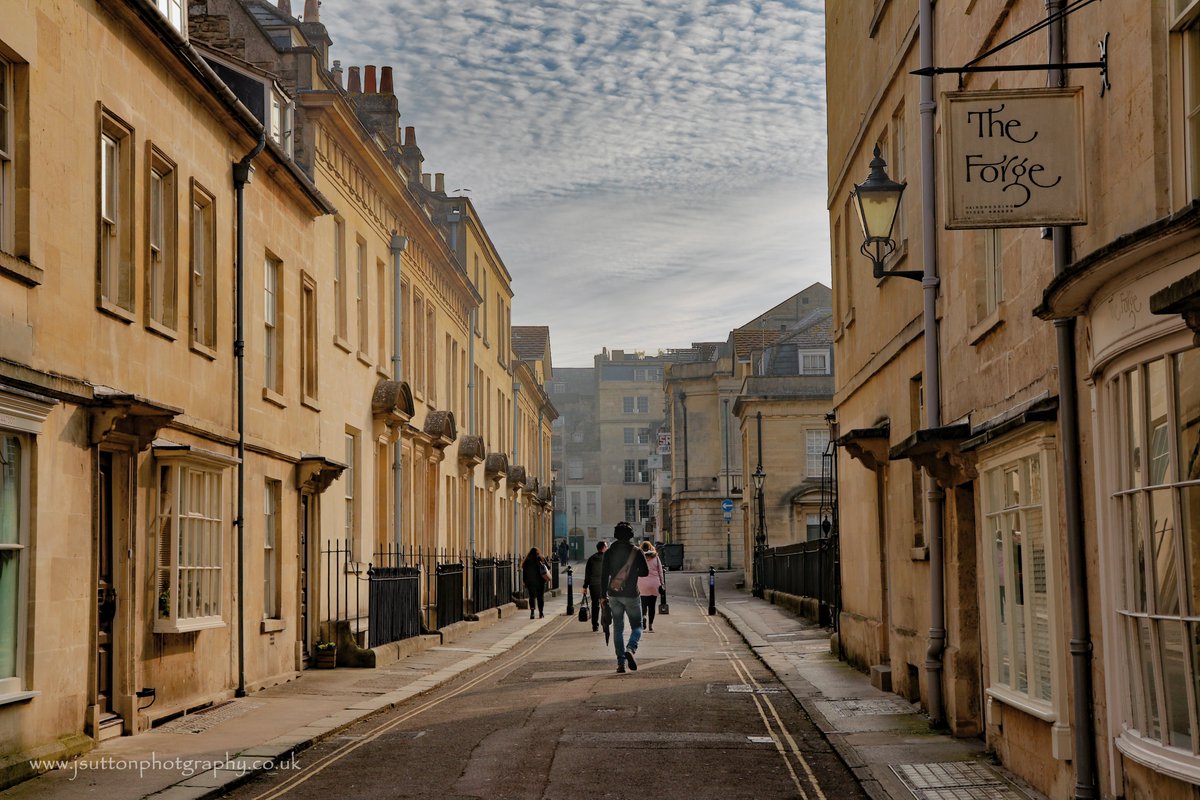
x,y
199,756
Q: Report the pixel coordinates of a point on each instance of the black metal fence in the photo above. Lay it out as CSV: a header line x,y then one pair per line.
x,y
483,584
807,569
505,584
451,579
393,604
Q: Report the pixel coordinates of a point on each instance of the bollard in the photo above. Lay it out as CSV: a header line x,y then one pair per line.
x,y
570,591
712,591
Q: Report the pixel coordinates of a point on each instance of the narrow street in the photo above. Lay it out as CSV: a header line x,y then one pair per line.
x,y
700,718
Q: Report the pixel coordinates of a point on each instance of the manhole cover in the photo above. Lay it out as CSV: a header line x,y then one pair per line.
x,y
888,705
761,739
208,718
956,780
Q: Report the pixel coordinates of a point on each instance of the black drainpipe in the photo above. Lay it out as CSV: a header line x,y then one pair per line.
x,y
1064,331
241,176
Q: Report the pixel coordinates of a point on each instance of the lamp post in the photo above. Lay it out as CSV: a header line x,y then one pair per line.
x,y
760,534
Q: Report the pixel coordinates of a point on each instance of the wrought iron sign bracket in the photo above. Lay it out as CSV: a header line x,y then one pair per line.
x,y
1101,65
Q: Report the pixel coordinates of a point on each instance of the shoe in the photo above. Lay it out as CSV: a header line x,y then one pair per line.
x,y
541,615
621,669
531,615
650,629
595,628
630,661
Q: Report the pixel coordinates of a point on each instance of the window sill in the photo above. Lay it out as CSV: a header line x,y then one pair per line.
x,y
1158,757
919,553
272,626
203,350
848,322
188,625
310,402
365,359
274,398
17,697
21,270
985,326
1031,707
113,310
161,330
341,343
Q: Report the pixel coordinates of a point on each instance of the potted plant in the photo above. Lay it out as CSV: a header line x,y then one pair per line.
x,y
326,654
164,603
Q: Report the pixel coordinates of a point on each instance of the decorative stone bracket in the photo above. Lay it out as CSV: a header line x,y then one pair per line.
x,y
1182,298
440,428
316,473
471,451
516,477
938,452
495,467
868,445
118,414
392,404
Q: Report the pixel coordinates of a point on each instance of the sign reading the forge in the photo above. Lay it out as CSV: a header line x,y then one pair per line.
x,y
1014,158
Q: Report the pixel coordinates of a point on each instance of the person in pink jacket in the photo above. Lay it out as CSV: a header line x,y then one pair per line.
x,y
649,585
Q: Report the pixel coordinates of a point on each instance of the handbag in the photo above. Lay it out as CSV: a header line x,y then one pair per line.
x,y
545,571
583,609
617,582
663,607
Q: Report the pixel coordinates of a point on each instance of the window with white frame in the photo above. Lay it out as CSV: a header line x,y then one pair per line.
x,y
189,527
272,314
281,121
812,527
1020,574
813,362
591,504
643,436
631,509
339,279
361,300
174,11
272,492
630,470
115,218
991,277
630,435
161,272
574,469
816,442
1156,507
350,489
643,509
204,267
308,335
14,556
7,147
1185,23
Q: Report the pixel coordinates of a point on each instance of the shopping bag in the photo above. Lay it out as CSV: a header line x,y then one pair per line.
x,y
583,609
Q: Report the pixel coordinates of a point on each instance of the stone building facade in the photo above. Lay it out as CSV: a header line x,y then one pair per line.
x,y
1042,343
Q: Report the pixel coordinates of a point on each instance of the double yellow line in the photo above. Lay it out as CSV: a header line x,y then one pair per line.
x,y
337,755
785,744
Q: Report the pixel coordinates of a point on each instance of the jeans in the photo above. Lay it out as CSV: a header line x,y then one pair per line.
x,y
620,606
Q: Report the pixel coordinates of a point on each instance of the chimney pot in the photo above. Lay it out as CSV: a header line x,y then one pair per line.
x,y
369,79
439,182
337,73
312,11
286,6
385,81
410,136
427,181
354,85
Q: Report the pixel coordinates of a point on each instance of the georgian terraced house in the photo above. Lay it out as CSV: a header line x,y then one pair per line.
x,y
157,157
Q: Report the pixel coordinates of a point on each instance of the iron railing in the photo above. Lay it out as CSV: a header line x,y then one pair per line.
x,y
451,581
393,604
807,569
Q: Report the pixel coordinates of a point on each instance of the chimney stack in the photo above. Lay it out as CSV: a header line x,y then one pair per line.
x,y
286,6
439,182
385,81
410,136
312,12
337,73
427,181
354,86
369,79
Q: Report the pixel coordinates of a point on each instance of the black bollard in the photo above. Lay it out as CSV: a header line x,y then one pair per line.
x,y
570,591
712,591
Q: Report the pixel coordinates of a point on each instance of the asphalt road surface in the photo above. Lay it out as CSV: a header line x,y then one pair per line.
x,y
701,718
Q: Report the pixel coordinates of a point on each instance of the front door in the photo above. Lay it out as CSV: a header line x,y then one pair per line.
x,y
112,478
306,502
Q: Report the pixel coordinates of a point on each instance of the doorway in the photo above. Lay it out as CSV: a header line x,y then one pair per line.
x,y
112,528
305,520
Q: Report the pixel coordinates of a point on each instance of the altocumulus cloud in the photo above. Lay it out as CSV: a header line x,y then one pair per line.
x,y
652,171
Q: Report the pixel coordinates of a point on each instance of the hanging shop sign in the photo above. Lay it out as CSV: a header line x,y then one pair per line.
x,y
1014,158
664,444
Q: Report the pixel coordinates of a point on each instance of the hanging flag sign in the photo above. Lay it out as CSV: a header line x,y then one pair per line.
x,y
664,444
1014,158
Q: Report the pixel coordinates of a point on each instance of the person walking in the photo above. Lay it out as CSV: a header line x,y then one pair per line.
x,y
623,565
650,586
563,551
535,573
593,571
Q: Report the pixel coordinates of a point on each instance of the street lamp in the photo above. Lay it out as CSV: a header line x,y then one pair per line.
x,y
877,201
760,536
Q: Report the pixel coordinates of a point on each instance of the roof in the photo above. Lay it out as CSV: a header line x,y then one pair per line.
x,y
747,341
531,342
813,332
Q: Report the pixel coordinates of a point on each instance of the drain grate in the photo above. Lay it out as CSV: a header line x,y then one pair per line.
x,y
745,688
887,705
201,721
956,780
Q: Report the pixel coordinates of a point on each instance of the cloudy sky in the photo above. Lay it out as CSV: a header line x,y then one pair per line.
x,y
651,171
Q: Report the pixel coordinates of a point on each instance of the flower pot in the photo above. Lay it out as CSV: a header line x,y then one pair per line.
x,y
326,659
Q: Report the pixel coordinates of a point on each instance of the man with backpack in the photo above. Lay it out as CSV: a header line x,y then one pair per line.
x,y
623,565
593,581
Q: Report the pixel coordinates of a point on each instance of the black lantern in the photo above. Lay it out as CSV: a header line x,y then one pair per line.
x,y
759,478
877,201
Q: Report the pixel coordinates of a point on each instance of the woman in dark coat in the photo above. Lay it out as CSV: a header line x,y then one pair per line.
x,y
535,572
